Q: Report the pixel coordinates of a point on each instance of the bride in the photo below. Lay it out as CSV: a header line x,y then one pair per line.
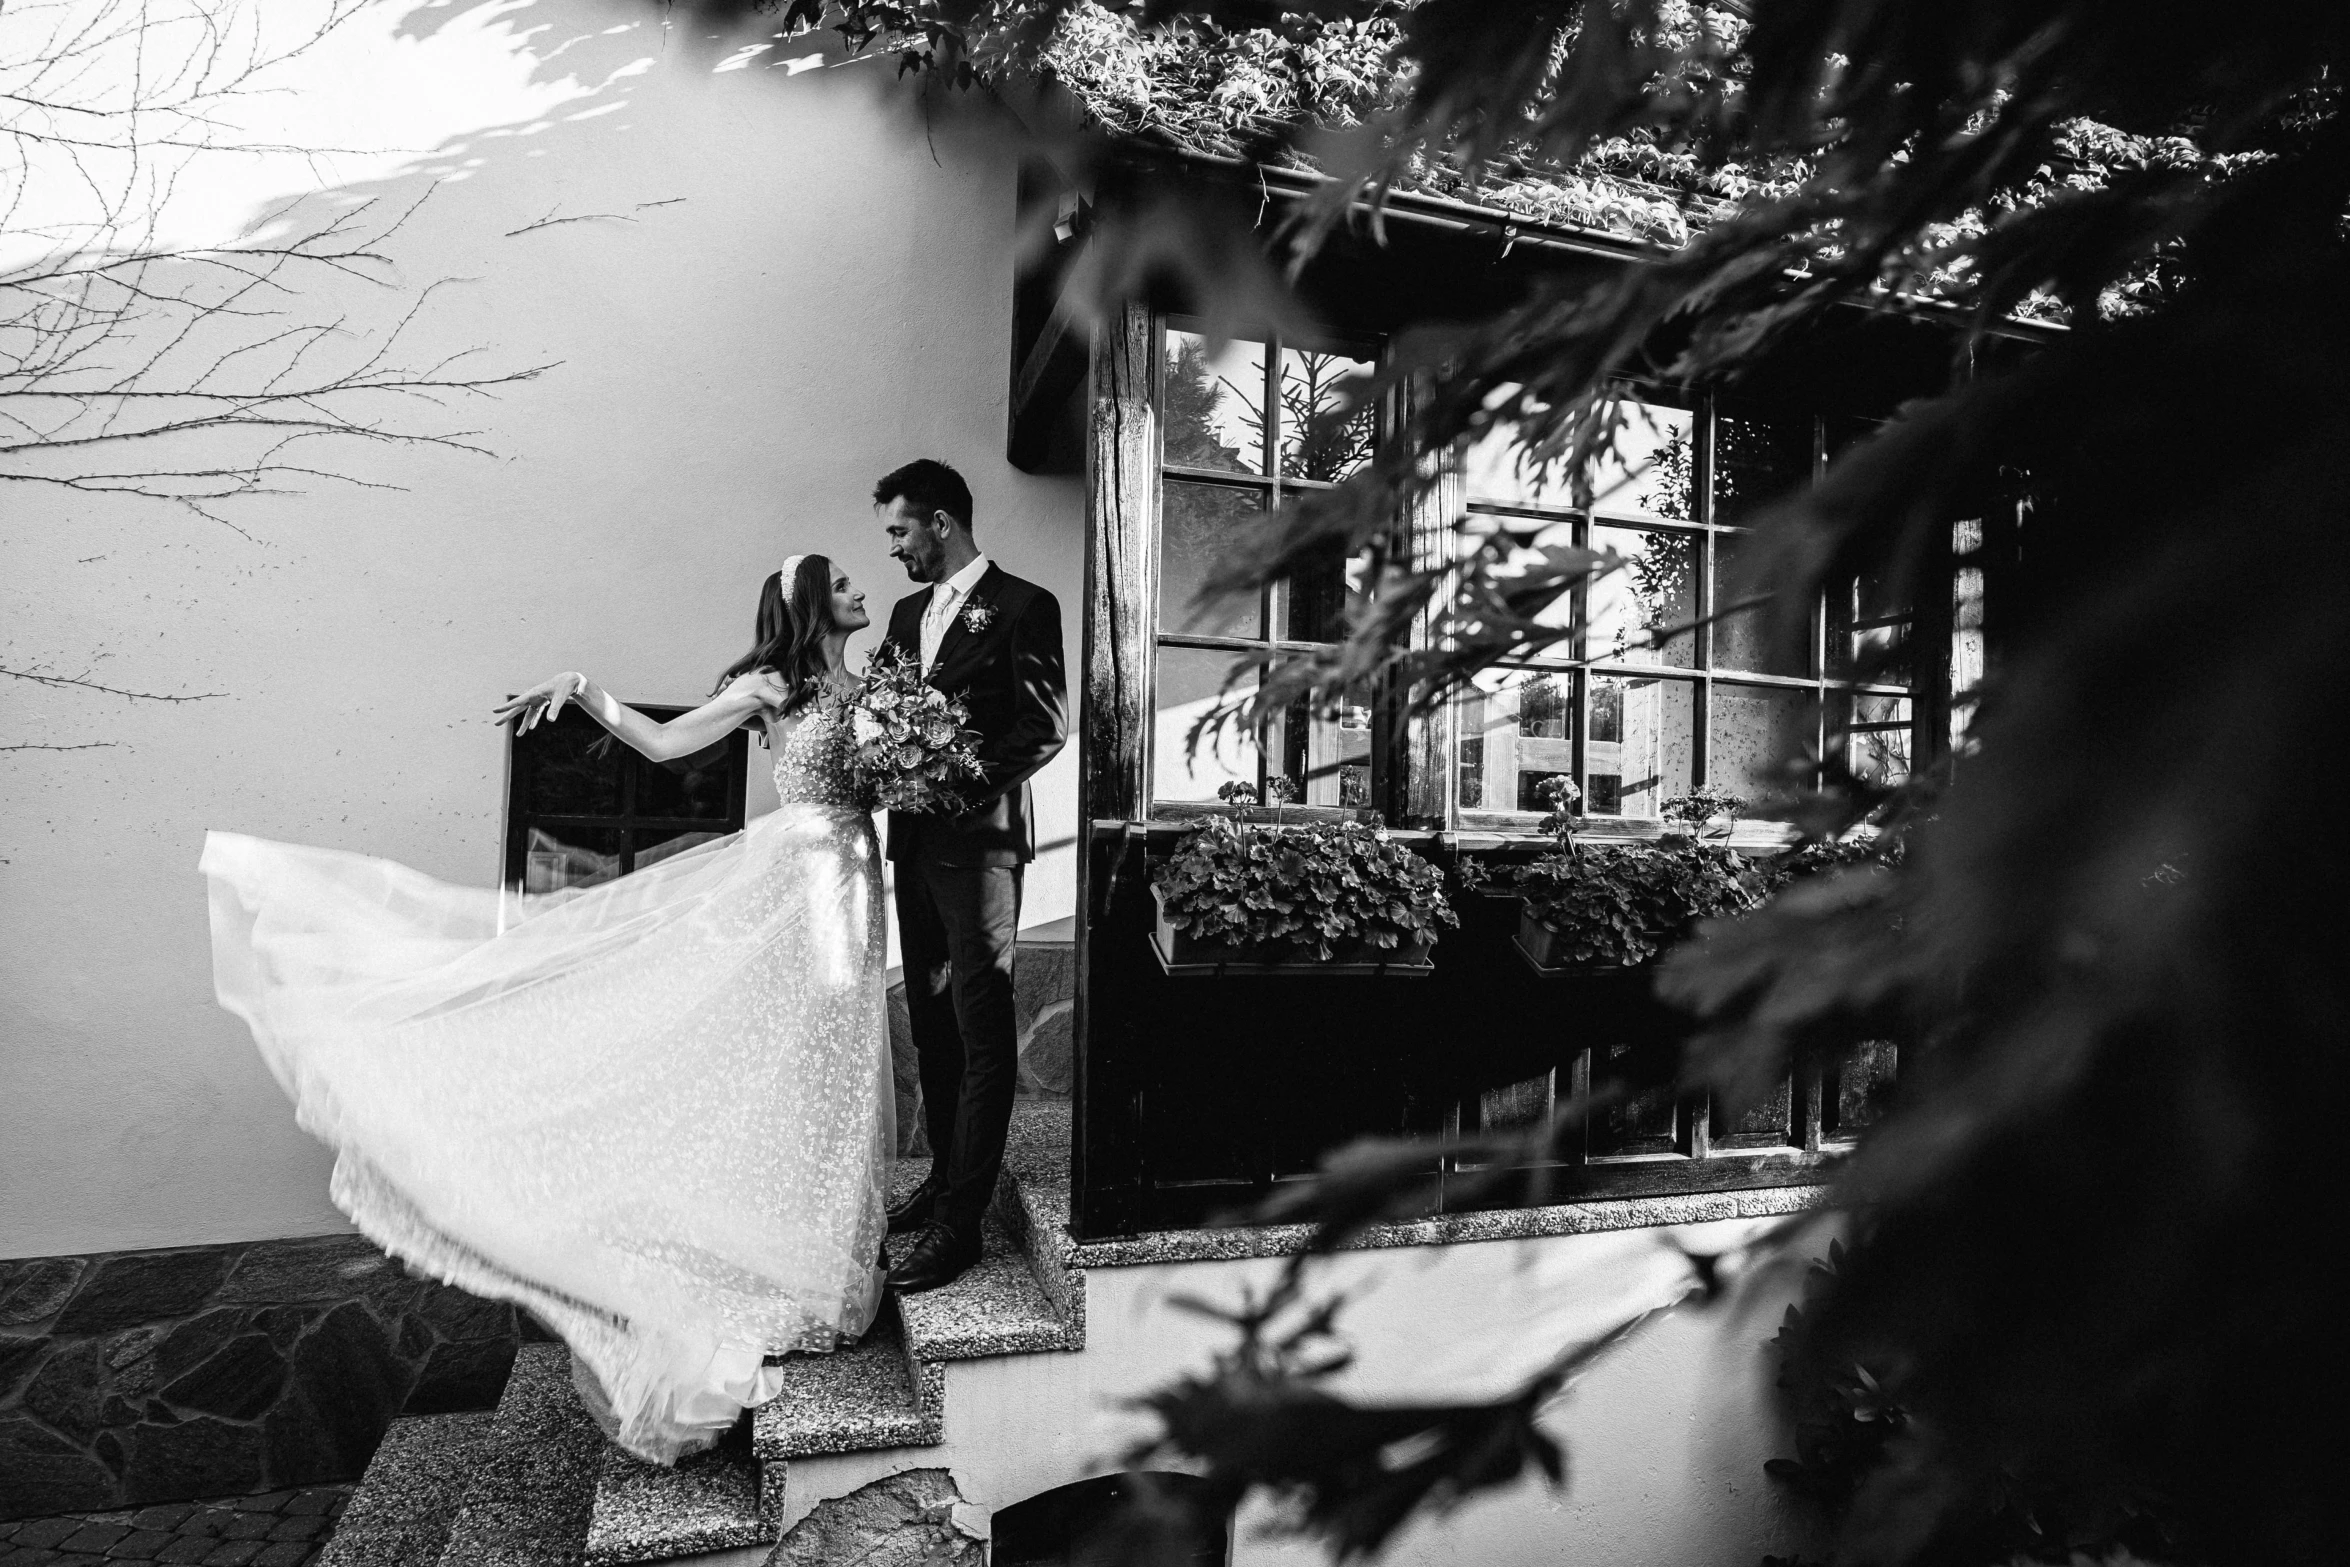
x,y
655,1112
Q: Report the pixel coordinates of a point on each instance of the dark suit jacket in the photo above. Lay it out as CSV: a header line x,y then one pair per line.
x,y
1009,673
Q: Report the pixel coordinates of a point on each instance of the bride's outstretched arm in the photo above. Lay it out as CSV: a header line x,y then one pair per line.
x,y
683,735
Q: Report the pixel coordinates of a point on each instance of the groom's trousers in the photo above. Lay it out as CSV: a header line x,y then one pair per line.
x,y
958,929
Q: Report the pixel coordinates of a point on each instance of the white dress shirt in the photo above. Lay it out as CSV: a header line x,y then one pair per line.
x,y
946,600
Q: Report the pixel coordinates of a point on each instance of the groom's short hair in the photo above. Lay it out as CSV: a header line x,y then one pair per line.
x,y
930,486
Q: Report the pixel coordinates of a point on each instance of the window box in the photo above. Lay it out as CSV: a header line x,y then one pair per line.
x,y
1547,953
1182,954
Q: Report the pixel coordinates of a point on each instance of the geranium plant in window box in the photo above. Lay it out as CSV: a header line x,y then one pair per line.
x,y
1322,898
1706,812
1600,909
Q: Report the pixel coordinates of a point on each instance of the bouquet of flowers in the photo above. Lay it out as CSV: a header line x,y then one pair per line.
x,y
913,751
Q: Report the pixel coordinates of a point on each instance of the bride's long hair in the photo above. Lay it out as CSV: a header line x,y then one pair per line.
x,y
794,619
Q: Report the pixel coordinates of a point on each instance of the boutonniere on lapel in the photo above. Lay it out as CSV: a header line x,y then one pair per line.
x,y
977,618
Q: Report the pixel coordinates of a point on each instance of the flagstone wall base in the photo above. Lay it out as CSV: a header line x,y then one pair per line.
x,y
154,1376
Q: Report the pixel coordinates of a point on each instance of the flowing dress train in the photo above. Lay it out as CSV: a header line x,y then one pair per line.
x,y
655,1112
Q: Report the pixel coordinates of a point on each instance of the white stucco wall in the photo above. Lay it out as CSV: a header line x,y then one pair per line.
x,y
1665,1435
797,291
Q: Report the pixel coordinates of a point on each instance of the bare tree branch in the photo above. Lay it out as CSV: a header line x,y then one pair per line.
x,y
37,678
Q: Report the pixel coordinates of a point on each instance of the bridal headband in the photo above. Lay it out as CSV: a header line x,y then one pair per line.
x,y
791,567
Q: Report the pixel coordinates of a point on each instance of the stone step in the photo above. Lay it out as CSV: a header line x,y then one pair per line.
x,y
646,1513
873,1394
997,1308
401,1512
534,1480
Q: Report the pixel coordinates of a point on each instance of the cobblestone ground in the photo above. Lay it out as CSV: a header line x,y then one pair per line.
x,y
281,1529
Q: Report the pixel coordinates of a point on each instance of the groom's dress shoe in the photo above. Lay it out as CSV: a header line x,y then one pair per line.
x,y
938,1256
912,1214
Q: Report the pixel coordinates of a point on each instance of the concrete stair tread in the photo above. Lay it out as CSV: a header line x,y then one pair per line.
x,y
533,1481
407,1500
644,1512
868,1395
996,1308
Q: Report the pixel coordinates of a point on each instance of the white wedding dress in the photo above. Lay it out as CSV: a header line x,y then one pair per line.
x,y
655,1112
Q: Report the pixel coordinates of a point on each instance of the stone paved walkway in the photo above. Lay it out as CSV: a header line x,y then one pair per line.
x,y
280,1529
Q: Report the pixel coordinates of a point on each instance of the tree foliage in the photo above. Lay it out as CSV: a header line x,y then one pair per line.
x,y
2088,1266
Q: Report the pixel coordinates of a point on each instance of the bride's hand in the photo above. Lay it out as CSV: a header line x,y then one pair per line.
x,y
541,703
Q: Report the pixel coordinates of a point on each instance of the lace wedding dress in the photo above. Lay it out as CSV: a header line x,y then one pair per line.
x,y
655,1112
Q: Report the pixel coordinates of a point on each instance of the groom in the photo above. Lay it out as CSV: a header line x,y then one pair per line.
x,y
994,640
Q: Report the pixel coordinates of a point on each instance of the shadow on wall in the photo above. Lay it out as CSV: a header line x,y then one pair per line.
x,y
136,1377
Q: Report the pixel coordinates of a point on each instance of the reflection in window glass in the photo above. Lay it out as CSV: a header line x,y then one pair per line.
x,y
1966,628
1213,408
1646,1122
1757,730
1756,461
1650,467
653,845
1760,639
1654,729
1655,589
1326,757
1190,683
1199,525
1877,737
1868,631
572,771
1310,605
1770,1123
1314,442
1516,729
1860,1085
562,857
700,787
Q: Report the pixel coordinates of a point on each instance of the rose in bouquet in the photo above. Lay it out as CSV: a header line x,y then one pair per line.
x,y
913,749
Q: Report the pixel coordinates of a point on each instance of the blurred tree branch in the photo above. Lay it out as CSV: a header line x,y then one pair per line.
x,y
2112,947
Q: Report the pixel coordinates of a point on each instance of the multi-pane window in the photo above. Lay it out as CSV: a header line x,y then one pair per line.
x,y
1644,702
582,808
1245,428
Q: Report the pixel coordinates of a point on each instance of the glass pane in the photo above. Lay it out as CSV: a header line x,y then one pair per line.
x,y
1312,605
1213,407
1966,630
1642,1124
1876,734
1315,443
700,787
1655,589
1650,467
1191,681
1860,1086
657,844
1325,758
1516,1107
1492,470
1868,631
1642,745
1757,731
1762,639
1198,527
1769,1123
1756,461
1646,468
1516,729
556,858
565,779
